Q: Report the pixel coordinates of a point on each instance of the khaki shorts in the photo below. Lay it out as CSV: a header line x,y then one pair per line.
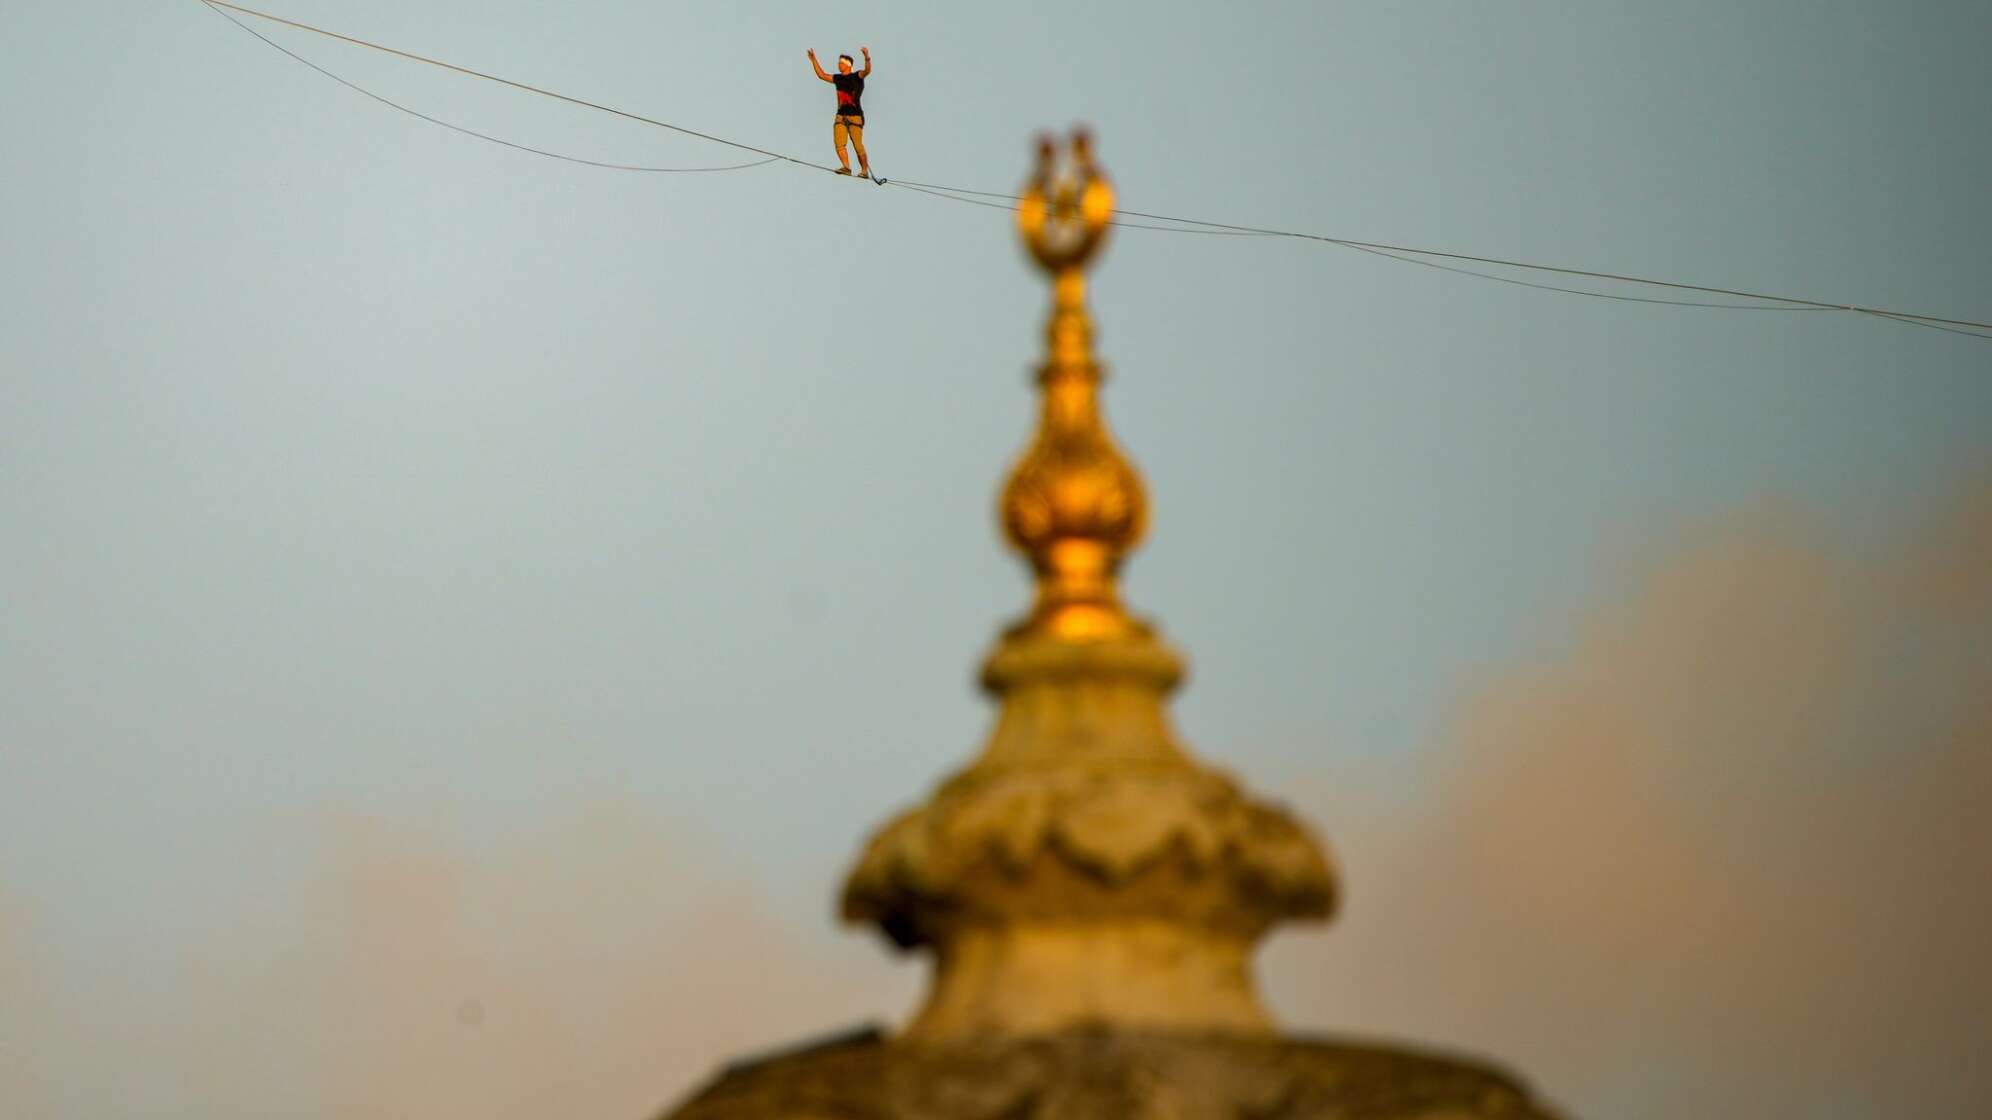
x,y
854,126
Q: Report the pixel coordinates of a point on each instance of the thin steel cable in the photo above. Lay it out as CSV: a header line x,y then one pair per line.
x,y
364,92
1582,291
938,193
1933,326
467,71
1799,303
1393,251
1011,209
1378,248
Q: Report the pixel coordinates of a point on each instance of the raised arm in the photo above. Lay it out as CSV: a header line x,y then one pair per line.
x,y
818,67
867,71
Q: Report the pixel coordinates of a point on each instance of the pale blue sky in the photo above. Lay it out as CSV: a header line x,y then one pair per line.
x,y
348,464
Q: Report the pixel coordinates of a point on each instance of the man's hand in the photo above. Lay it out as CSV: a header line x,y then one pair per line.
x,y
812,54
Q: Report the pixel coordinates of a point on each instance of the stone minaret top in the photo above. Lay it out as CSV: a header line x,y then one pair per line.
x,y
1085,869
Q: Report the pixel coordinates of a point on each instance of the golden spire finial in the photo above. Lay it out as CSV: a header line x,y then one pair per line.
x,y
1073,504
1085,869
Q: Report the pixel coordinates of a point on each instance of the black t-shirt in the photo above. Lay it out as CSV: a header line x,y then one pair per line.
x,y
850,90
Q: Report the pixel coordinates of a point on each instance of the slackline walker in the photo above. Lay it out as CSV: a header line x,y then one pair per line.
x,y
850,119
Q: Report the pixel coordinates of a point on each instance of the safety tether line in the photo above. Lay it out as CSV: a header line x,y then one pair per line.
x,y
468,72
364,92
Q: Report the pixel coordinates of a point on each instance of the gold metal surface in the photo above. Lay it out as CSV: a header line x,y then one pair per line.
x,y
1073,503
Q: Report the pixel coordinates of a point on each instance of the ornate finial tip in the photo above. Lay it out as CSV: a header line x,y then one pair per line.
x,y
1064,217
1073,503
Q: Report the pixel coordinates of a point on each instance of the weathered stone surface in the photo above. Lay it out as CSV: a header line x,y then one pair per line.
x,y
1082,792
1086,868
1107,1073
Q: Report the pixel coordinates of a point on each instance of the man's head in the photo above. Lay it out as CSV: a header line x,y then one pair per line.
x,y
844,63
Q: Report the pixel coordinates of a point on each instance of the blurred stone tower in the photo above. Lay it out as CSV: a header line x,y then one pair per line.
x,y
1092,894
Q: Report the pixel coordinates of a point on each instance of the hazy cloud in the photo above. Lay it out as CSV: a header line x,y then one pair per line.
x,y
1726,856
598,965
28,1022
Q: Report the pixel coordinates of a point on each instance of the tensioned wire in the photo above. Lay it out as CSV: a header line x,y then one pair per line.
x,y
1395,252
468,72
1405,254
940,192
364,92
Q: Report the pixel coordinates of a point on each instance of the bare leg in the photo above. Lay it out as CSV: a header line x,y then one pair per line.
x,y
858,140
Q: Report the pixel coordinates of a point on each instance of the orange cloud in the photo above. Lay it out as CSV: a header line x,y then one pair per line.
x,y
29,1028
598,967
1727,857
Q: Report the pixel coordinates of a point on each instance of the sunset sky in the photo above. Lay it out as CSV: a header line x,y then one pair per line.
x,y
460,612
